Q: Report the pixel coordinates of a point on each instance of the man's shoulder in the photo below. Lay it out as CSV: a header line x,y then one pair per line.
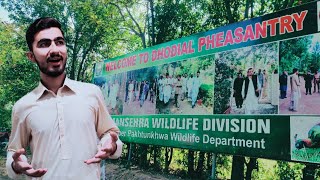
x,y
27,99
83,87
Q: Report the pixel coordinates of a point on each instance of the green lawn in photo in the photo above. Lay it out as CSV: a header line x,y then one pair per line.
x,y
306,155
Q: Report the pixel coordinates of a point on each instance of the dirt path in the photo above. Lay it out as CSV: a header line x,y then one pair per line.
x,y
117,171
133,107
308,104
114,171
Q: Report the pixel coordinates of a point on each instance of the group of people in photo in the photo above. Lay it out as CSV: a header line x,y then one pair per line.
x,y
246,91
110,91
140,91
250,90
294,82
179,88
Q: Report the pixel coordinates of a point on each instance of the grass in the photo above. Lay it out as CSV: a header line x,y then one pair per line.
x,y
306,155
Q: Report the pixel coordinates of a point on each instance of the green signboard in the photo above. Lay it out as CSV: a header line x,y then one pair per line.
x,y
219,91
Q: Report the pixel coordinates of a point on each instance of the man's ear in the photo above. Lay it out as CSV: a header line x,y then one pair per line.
x,y
30,56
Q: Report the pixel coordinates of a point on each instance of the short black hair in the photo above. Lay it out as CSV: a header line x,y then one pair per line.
x,y
294,70
39,25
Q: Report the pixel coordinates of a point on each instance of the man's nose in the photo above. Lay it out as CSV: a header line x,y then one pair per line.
x,y
54,49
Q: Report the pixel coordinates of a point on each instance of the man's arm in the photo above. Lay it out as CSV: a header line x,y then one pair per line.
x,y
115,149
110,146
258,84
19,165
297,80
16,163
243,89
18,139
9,164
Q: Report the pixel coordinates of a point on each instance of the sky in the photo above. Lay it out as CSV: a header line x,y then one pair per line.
x,y
4,14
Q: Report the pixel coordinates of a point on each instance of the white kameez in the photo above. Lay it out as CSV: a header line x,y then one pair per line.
x,y
130,89
251,101
167,91
113,95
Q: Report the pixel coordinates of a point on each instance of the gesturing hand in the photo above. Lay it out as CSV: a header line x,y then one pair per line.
x,y
108,149
23,167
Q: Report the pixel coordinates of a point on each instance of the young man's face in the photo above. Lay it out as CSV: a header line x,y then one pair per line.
x,y
250,72
49,52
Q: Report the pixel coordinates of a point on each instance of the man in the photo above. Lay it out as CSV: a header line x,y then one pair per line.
x,y
316,81
178,91
130,91
114,95
61,119
308,82
283,80
167,88
237,89
127,91
160,86
195,89
264,93
184,86
250,92
145,89
152,89
189,86
261,80
295,91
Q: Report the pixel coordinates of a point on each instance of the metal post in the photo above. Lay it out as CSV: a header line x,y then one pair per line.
x,y
130,153
213,169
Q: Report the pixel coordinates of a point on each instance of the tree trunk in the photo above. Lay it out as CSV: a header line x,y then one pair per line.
x,y
261,11
169,150
251,16
156,154
285,4
143,156
250,167
74,57
209,163
152,22
200,162
246,12
309,172
290,4
237,167
191,163
229,12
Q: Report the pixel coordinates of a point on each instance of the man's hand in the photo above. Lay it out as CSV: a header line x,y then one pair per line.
x,y
108,149
22,167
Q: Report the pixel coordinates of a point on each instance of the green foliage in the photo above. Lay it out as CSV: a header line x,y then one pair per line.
x,y
100,29
17,74
222,87
286,170
224,166
175,19
294,53
91,29
206,94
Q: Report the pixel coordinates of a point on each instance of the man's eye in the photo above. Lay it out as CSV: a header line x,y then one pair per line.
x,y
45,44
60,42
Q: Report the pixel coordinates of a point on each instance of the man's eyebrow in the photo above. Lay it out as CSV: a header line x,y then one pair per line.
x,y
46,40
58,38
43,40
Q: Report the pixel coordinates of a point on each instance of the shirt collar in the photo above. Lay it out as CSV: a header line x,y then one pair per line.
x,y
41,89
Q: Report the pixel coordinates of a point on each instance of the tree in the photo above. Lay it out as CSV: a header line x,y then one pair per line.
x,y
90,27
17,75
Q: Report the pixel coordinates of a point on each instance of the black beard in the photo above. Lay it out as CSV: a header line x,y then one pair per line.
x,y
50,73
